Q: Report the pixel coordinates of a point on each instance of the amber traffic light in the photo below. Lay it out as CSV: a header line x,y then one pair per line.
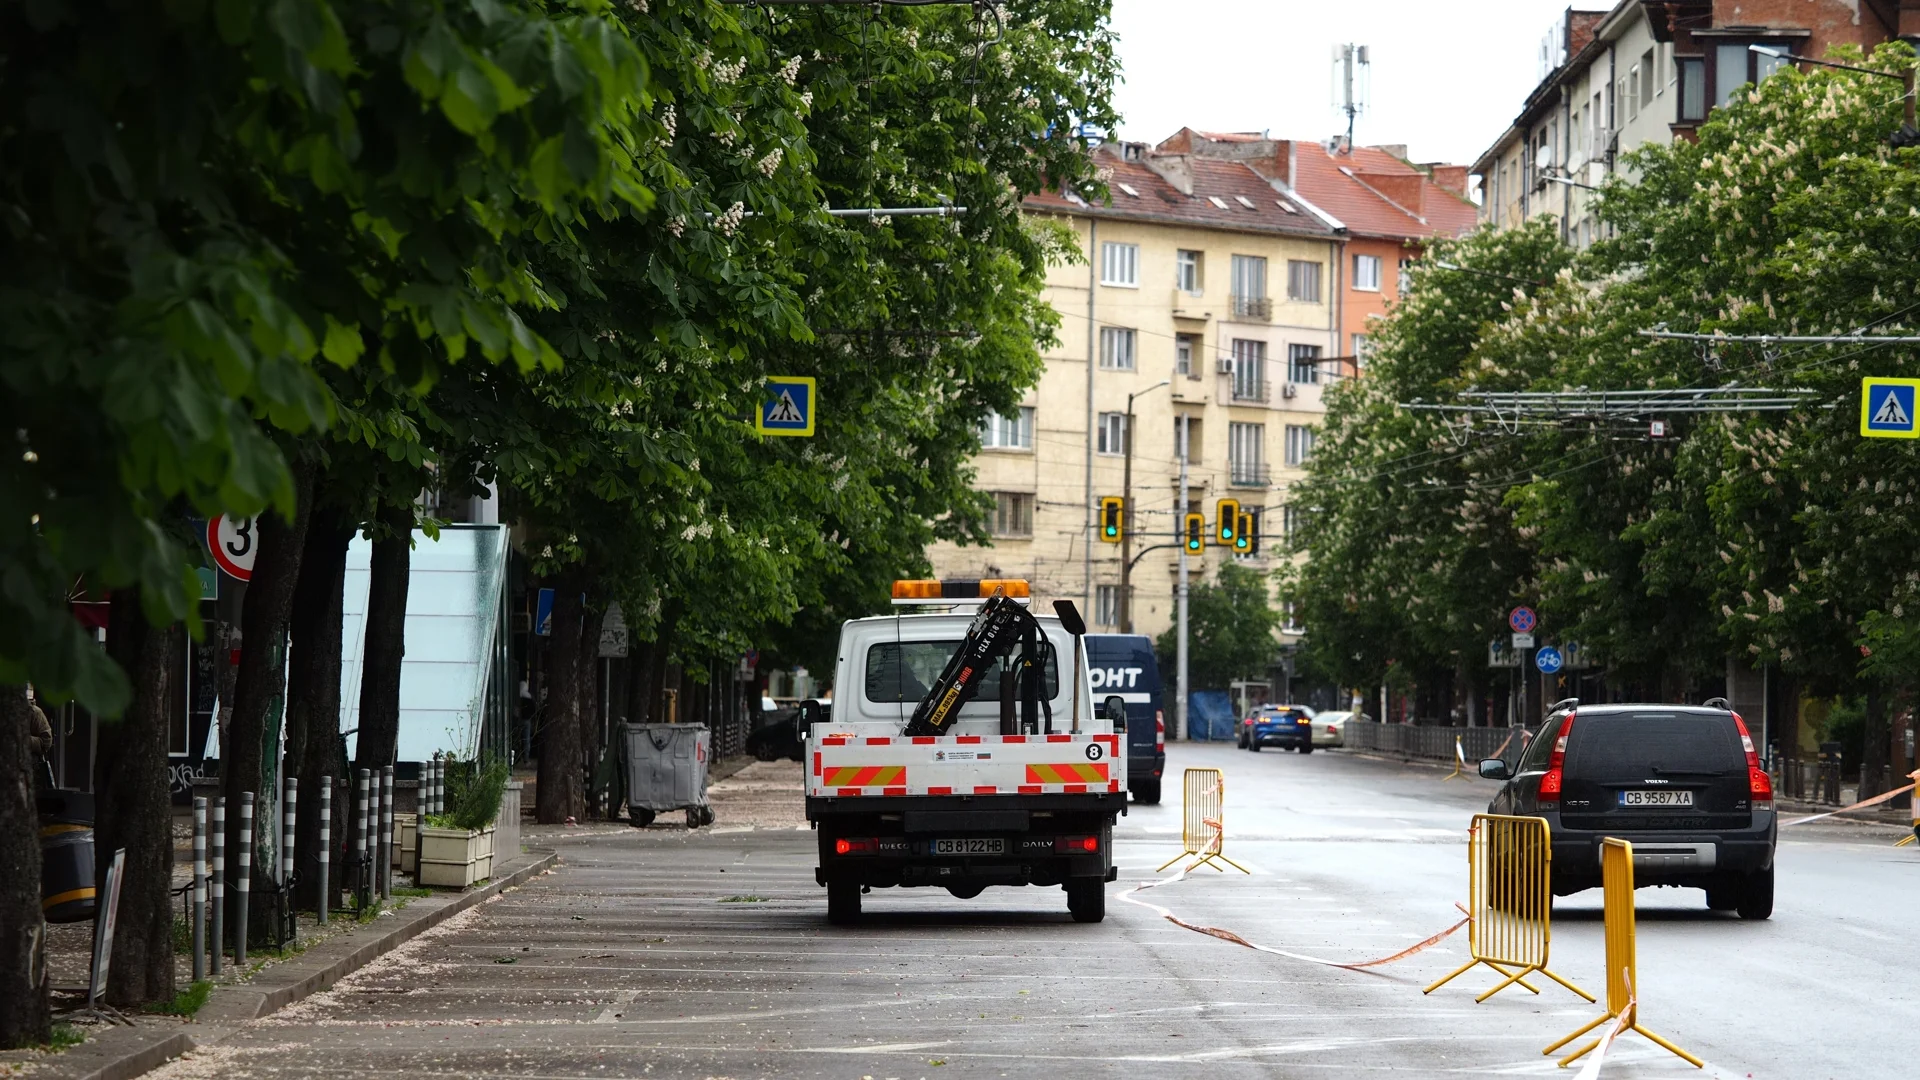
x,y
1247,537
1226,522
1196,533
1112,518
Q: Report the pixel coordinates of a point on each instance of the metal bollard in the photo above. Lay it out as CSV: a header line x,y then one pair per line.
x,y
433,784
360,895
199,916
243,873
326,842
217,929
287,816
384,863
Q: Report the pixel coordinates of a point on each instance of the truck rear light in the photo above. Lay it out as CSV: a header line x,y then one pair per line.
x,y
1759,784
856,845
1556,762
1076,843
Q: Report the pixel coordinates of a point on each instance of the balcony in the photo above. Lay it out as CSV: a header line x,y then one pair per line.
x,y
1249,474
1253,308
1251,391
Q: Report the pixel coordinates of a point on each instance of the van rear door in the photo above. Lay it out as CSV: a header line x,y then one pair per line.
x,y
1124,664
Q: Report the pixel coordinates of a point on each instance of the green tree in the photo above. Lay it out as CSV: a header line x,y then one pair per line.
x,y
1231,628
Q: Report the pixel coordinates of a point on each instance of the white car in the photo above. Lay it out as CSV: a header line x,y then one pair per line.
x,y
1329,728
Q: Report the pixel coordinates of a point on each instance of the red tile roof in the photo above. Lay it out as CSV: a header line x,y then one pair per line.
x,y
1247,201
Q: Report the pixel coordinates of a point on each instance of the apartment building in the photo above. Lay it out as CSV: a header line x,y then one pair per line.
x,y
1215,267
1650,71
1206,275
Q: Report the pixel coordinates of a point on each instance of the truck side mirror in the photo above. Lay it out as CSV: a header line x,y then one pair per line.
x,y
809,713
1115,709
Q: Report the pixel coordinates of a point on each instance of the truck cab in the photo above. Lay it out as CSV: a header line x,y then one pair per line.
x,y
1010,792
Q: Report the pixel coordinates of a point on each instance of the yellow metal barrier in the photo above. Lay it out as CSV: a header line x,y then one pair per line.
x,y
1905,840
1459,761
1510,901
1616,871
1203,833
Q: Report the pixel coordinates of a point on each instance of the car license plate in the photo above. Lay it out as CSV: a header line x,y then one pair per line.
x,y
971,845
1654,797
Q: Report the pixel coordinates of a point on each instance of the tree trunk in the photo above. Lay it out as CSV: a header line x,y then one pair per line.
x,y
639,681
133,809
24,1016
590,716
263,622
561,795
313,692
379,737
662,649
1873,756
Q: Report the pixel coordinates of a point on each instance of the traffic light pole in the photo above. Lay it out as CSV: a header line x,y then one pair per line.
x,y
1180,730
1126,515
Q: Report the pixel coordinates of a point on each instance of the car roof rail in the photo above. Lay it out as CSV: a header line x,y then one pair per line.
x,y
1564,703
1718,703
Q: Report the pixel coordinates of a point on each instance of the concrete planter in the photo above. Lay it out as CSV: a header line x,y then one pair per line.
x,y
455,858
404,838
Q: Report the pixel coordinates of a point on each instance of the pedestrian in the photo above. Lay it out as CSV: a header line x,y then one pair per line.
x,y
40,741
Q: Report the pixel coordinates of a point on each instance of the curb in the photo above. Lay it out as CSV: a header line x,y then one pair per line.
x,y
230,1007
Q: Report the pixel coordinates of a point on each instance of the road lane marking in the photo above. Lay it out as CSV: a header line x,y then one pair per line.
x,y
612,1012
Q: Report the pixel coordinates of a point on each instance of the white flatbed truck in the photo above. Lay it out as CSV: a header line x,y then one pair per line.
x,y
1020,786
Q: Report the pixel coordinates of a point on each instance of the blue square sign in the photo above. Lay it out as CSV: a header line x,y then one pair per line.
x,y
1886,408
786,406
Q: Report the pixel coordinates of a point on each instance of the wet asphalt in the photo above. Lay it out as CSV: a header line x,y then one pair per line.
x,y
665,953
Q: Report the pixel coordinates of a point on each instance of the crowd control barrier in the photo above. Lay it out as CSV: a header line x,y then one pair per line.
x,y
1616,871
1203,831
1510,902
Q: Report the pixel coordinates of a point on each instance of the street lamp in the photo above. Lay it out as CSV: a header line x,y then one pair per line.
x,y
1126,531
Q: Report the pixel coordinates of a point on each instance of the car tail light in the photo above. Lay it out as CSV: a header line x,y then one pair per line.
x,y
1551,782
1076,843
1159,732
856,845
1759,784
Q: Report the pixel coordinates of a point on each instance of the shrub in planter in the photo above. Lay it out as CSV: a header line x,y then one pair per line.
x,y
456,848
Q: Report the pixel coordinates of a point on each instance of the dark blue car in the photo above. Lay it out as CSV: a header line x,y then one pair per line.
x,y
1123,665
1289,727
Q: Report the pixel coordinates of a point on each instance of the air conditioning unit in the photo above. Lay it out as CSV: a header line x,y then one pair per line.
x,y
1226,365
1288,390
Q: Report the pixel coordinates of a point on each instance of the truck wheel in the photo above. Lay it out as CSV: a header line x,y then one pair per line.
x,y
1087,899
639,817
1148,793
843,903
1756,895
966,892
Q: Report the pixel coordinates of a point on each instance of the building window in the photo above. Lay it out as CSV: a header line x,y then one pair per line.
x,y
1012,513
1106,605
1290,622
1120,265
1303,281
1014,432
1693,89
1303,363
1117,348
1249,370
1366,273
1186,352
1246,454
1404,285
1299,445
1359,351
1647,82
1187,439
1250,288
1112,434
1186,272
1290,518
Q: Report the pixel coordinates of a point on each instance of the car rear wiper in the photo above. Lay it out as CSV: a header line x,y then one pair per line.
x,y
1658,771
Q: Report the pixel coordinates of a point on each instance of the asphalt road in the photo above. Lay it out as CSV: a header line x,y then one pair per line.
x,y
668,954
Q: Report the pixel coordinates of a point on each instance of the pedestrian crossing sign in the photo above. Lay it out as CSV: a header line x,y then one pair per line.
x,y
786,406
1887,408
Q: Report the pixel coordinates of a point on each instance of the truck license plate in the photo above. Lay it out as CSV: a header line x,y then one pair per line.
x,y
971,845
1646,797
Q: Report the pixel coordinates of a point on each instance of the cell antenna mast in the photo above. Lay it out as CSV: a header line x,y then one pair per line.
x,y
1350,78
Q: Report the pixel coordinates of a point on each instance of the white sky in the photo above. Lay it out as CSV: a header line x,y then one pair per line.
x,y
1447,76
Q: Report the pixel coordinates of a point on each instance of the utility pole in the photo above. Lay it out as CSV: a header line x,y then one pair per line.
x,y
1181,731
1126,514
1093,334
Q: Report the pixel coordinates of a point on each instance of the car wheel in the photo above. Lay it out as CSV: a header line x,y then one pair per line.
x,y
1756,895
843,903
966,892
1306,748
1253,745
1148,793
766,751
1242,740
1087,899
639,817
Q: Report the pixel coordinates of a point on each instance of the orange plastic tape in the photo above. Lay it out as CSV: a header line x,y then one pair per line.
x,y
1876,800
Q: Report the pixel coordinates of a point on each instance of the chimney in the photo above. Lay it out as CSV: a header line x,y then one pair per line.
x,y
1398,150
1580,29
1408,189
1175,169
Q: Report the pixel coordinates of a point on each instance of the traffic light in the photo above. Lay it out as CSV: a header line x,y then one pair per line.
x,y
1226,522
1112,518
1196,533
1247,540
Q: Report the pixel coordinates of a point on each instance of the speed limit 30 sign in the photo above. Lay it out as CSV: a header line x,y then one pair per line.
x,y
233,541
